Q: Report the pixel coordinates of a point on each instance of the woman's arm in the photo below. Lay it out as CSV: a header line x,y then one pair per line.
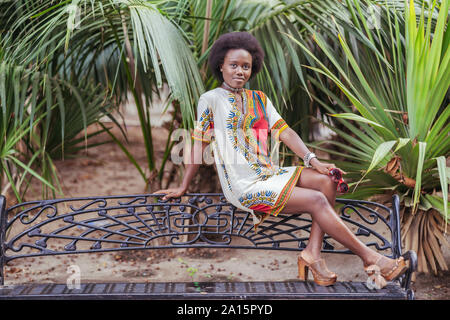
x,y
192,165
290,138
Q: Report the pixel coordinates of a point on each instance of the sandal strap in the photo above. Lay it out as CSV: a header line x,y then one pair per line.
x,y
387,274
320,267
384,273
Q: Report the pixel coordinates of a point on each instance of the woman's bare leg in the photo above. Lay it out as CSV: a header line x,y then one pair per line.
x,y
322,213
311,179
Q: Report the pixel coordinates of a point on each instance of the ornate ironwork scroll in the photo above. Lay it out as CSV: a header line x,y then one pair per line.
x,y
101,224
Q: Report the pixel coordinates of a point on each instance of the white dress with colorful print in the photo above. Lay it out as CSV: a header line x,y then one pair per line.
x,y
250,179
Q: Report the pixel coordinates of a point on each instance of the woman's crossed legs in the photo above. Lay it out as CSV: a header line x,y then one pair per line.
x,y
315,194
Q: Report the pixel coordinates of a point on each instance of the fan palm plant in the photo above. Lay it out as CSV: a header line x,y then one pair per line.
x,y
135,46
138,45
270,22
16,125
125,46
395,79
41,121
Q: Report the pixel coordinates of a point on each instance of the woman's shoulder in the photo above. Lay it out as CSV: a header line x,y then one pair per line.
x,y
211,93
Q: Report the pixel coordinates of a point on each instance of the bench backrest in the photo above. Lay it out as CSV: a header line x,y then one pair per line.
x,y
114,223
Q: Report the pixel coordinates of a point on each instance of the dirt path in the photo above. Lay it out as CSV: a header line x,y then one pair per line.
x,y
105,170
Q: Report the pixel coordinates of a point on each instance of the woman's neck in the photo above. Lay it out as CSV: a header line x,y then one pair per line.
x,y
230,88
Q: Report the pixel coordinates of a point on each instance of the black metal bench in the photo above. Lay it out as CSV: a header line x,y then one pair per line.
x,y
136,222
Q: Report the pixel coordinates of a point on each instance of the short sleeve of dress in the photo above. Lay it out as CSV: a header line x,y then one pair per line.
x,y
205,121
276,123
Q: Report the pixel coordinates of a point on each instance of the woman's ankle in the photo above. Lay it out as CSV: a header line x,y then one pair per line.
x,y
311,255
371,259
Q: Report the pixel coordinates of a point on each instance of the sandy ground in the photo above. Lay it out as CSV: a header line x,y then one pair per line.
x,y
105,170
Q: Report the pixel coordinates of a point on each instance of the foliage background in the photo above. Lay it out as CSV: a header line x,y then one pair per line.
x,y
374,72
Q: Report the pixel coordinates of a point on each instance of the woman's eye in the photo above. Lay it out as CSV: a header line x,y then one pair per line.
x,y
234,66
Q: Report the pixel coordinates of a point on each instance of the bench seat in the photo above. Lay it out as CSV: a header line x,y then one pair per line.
x,y
203,291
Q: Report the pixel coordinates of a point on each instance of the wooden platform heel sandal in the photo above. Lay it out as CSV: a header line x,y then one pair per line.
x,y
378,276
322,276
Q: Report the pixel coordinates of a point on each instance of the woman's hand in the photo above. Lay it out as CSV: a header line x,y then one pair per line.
x,y
290,138
323,167
171,193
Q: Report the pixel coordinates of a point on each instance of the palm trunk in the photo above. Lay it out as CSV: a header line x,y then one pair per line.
x,y
206,29
423,232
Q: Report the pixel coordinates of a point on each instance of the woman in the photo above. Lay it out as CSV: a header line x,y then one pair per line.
x,y
236,121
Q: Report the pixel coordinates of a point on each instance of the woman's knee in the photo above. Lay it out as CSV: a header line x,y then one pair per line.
x,y
318,200
327,185
306,200
312,179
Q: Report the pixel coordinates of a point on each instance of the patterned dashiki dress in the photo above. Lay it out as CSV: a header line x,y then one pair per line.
x,y
247,174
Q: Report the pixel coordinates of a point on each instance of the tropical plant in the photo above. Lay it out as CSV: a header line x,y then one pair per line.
x,y
136,46
395,79
16,125
41,121
125,46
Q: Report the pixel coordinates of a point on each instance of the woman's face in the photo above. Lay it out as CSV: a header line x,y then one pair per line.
x,y
237,67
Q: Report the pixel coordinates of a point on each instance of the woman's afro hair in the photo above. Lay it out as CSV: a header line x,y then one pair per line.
x,y
235,40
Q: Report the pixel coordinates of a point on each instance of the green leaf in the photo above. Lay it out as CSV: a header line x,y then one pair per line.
x,y
5,169
438,204
401,143
442,169
355,117
418,186
32,172
380,153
